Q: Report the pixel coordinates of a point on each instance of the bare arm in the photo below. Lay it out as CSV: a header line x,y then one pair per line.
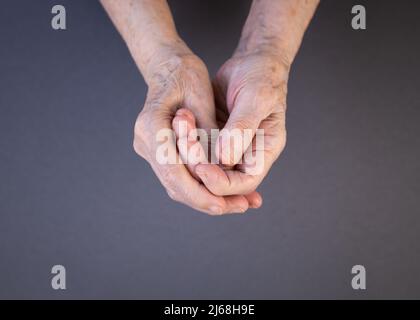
x,y
148,29
276,26
252,87
175,78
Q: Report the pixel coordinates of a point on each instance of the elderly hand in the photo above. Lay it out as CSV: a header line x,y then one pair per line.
x,y
250,94
181,80
249,90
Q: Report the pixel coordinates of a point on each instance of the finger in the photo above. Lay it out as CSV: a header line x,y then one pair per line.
x,y
236,204
201,102
225,182
190,149
254,199
184,125
240,128
181,186
249,174
221,182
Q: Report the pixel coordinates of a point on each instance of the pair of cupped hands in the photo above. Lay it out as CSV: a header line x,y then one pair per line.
x,y
248,92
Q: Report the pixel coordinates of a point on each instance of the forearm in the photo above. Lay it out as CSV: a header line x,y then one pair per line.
x,y
148,29
276,26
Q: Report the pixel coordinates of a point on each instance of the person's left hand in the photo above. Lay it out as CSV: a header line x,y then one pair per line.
x,y
250,92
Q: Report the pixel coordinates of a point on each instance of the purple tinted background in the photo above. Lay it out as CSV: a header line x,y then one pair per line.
x,y
73,192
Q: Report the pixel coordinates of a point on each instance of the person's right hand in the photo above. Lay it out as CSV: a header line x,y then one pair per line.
x,y
181,80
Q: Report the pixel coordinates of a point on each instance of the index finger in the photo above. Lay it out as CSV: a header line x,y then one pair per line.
x,y
182,187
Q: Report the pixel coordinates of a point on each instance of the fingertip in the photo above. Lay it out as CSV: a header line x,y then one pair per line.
x,y
236,204
187,114
257,202
254,199
183,126
176,125
216,210
181,111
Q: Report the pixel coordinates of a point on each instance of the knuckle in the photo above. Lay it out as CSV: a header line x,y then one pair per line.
x,y
281,144
212,210
173,195
217,190
210,213
210,206
140,127
140,139
139,149
245,122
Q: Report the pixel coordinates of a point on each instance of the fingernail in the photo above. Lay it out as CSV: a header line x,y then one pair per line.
x,y
257,203
239,210
180,111
216,210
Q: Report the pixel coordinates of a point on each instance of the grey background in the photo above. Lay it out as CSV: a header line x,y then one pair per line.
x,y
73,192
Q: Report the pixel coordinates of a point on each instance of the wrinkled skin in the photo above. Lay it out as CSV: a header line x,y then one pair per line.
x,y
182,81
250,93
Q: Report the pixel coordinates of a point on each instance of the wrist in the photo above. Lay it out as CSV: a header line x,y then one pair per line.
x,y
276,27
151,56
254,45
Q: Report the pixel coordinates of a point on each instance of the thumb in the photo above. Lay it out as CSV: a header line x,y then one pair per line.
x,y
201,102
202,106
239,131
